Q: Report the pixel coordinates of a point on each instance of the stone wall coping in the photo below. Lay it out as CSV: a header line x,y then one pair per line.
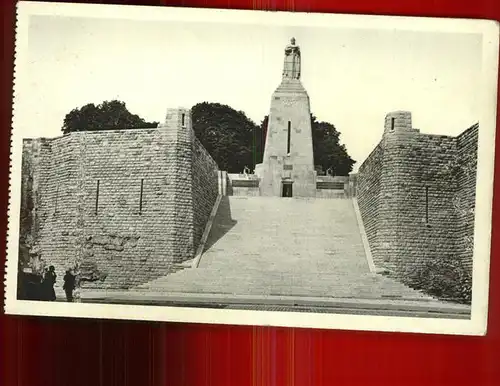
x,y
375,149
364,238
206,233
198,143
92,132
475,126
463,133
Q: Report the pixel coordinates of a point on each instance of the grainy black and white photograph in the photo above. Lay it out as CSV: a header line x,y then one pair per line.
x,y
249,167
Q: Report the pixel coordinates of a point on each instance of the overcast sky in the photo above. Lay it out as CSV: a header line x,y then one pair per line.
x,y
353,77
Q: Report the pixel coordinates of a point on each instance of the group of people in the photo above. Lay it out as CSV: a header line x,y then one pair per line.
x,y
47,285
49,280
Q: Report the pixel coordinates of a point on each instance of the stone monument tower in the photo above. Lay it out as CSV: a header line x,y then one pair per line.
x,y
287,169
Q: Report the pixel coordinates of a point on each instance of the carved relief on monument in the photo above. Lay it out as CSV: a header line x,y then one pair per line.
x,y
289,101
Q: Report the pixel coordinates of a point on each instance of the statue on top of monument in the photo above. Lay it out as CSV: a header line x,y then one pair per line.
x,y
291,68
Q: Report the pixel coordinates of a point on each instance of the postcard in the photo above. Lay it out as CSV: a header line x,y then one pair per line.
x,y
251,167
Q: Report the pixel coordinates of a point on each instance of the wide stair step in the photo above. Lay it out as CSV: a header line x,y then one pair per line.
x,y
288,247
289,283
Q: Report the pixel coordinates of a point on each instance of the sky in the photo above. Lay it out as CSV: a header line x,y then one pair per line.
x,y
354,77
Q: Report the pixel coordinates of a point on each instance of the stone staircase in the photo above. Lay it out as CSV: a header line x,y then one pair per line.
x,y
273,246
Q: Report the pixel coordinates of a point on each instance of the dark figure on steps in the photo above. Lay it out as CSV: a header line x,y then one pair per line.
x,y
48,284
69,285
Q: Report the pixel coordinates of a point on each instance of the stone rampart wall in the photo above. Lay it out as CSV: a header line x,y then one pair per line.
x,y
368,196
124,205
408,190
465,198
205,188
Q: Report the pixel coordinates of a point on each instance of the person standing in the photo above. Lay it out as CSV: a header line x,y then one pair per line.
x,y
78,282
69,284
49,281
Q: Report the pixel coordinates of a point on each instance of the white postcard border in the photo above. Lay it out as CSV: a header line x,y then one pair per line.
x,y
484,190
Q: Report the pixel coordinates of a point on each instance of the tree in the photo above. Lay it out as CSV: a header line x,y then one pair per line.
x,y
228,135
329,154
105,116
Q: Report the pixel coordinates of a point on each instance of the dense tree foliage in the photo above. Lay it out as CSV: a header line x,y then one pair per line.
x,y
329,154
232,139
228,135
105,116
235,141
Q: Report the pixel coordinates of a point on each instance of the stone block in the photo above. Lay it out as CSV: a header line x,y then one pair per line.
x,y
406,192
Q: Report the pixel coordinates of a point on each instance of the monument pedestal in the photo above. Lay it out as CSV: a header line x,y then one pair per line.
x,y
287,169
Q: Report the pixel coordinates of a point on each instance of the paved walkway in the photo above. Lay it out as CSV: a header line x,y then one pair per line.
x,y
389,307
266,246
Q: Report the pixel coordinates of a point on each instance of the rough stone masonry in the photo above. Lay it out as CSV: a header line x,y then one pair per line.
x,y
416,195
128,205
125,205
